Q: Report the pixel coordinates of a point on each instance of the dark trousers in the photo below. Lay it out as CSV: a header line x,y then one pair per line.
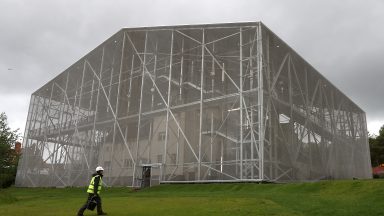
x,y
98,200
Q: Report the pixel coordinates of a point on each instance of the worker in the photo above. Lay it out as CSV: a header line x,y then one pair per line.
x,y
94,192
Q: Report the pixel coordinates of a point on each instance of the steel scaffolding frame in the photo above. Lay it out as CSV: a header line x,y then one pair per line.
x,y
206,103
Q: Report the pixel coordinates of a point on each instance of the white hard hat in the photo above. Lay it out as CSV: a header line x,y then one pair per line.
x,y
99,168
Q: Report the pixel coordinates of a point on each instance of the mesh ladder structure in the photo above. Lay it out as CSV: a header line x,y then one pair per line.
x,y
202,103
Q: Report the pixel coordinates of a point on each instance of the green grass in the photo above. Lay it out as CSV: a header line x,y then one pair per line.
x,y
357,197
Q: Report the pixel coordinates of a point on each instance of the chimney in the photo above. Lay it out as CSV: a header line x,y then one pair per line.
x,y
18,147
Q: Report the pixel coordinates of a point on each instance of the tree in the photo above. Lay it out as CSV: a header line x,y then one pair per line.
x,y
8,156
376,145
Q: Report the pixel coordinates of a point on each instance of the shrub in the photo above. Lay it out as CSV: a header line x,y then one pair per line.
x,y
6,180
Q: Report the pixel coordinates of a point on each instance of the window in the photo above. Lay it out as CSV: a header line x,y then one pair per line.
x,y
127,163
107,164
159,158
161,136
173,158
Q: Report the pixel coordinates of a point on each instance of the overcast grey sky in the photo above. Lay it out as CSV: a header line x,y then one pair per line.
x,y
343,40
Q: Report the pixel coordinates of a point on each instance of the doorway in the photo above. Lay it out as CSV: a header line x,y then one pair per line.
x,y
146,177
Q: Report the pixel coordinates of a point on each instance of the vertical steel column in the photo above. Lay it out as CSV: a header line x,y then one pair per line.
x,y
110,87
152,104
140,106
128,107
77,117
273,127
211,111
241,100
260,101
117,104
221,155
180,99
114,117
251,109
76,104
60,123
178,145
307,103
291,120
201,104
192,71
70,155
168,107
44,143
97,109
91,99
36,113
130,84
56,145
90,131
211,140
213,73
181,71
367,173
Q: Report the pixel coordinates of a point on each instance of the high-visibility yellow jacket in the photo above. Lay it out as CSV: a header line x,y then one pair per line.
x,y
96,182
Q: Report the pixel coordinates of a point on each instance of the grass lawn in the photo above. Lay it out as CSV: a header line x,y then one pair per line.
x,y
355,197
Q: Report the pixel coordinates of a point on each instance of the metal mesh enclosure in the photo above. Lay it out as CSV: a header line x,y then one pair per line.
x,y
222,102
